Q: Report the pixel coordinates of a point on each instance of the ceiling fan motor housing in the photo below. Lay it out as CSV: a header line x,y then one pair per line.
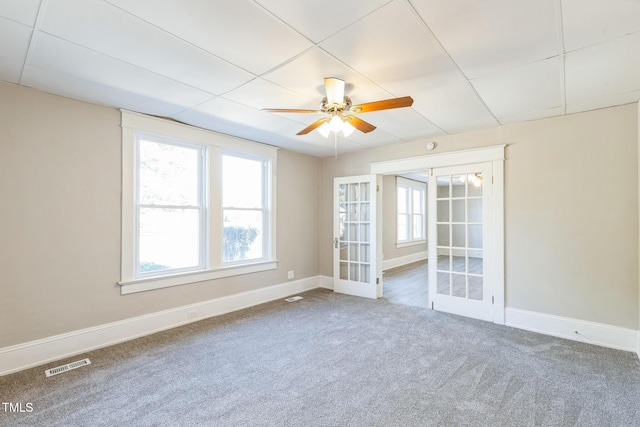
x,y
334,109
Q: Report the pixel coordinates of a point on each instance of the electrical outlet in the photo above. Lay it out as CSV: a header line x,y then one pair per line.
x,y
192,314
290,274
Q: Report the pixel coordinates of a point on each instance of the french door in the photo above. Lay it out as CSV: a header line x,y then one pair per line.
x,y
460,240
356,237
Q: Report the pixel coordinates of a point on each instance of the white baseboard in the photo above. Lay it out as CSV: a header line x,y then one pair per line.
x,y
22,356
404,260
574,329
326,282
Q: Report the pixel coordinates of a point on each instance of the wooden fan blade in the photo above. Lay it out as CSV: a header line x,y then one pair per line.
x,y
285,110
313,126
387,104
359,124
335,90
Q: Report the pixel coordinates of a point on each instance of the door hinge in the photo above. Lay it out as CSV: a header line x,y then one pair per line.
x,y
432,305
377,280
335,243
377,188
430,171
492,300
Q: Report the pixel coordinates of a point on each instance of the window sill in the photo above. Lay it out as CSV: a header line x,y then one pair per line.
x,y
147,284
411,243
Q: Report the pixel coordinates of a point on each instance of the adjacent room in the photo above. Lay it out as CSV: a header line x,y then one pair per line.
x,y
279,212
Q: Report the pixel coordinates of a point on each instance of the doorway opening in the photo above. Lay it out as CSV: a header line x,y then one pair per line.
x,y
465,223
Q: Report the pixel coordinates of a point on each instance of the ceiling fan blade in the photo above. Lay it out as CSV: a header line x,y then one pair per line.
x,y
387,104
335,90
313,126
359,124
286,110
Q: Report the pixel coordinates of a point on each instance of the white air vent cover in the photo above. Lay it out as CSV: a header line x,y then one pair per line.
x,y
292,299
69,366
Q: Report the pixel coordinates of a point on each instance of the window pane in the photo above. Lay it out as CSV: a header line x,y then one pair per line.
x,y
418,205
168,174
418,227
168,239
241,182
243,234
402,199
402,228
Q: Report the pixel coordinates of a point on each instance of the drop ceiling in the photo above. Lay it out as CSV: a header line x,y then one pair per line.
x,y
467,64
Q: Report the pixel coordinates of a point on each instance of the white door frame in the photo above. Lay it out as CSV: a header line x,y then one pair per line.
x,y
493,154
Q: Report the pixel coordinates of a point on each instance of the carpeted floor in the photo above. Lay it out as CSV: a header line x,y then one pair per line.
x,y
336,360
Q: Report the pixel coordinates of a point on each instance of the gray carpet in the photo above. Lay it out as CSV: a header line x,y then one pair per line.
x,y
335,360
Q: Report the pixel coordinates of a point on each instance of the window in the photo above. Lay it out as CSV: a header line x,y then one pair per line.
x,y
411,218
170,210
196,205
243,208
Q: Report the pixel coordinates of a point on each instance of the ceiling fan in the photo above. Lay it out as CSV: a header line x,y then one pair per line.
x,y
341,112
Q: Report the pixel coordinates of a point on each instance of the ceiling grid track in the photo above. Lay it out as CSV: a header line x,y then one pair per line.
x,y
34,36
561,55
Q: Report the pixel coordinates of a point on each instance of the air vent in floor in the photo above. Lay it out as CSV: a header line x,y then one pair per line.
x,y
292,299
64,368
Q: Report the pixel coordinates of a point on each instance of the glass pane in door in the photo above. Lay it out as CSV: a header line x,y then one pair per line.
x,y
459,235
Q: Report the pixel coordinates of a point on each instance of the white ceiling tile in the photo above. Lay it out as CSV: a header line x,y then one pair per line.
x,y
487,36
611,67
453,107
403,123
587,22
14,39
305,75
528,88
238,31
109,30
89,91
604,102
392,48
10,70
246,116
23,11
315,19
533,115
63,57
261,93
216,124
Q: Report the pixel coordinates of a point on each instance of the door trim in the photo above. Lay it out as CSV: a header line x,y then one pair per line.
x,y
493,154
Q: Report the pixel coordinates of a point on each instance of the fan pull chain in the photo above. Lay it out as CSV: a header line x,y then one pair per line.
x,y
335,144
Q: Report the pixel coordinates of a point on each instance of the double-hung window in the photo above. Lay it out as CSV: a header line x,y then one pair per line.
x,y
410,213
170,207
196,205
244,208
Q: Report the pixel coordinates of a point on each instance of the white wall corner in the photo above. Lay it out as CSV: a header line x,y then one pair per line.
x,y
404,260
34,353
573,329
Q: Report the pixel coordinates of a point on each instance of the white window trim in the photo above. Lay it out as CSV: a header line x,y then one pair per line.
x,y
132,123
410,185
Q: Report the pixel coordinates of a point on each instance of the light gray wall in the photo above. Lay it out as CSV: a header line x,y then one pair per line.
x,y
571,210
60,166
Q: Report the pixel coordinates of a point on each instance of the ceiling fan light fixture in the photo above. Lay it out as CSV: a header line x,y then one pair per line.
x,y
325,130
347,128
336,124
